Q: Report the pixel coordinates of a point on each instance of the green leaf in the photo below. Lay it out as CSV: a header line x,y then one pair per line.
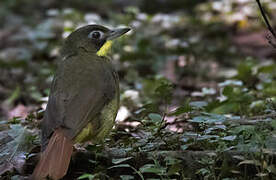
x,y
156,118
242,128
228,107
203,171
271,142
128,166
120,165
208,118
231,83
19,141
174,169
253,162
204,137
184,147
245,70
271,168
181,110
15,94
92,161
273,124
118,161
198,104
229,138
228,91
267,69
151,168
164,90
126,177
262,174
171,160
87,176
16,177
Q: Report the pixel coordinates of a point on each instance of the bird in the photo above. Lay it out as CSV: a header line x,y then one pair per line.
x,y
83,100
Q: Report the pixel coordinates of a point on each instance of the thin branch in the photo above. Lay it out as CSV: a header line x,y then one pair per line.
x,y
266,20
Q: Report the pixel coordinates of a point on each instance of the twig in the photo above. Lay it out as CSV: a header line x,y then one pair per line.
x,y
266,20
270,41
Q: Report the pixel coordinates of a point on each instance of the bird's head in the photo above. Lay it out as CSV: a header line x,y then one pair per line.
x,y
92,39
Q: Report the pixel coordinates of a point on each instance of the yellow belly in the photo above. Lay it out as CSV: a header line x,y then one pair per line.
x,y
85,134
97,129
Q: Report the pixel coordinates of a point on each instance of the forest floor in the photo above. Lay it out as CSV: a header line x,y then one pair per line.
x,y
197,84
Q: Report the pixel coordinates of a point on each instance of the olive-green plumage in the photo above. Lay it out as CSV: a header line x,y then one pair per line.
x,y
84,96
83,85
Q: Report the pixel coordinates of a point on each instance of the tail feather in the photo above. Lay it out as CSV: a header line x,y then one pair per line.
x,y
54,161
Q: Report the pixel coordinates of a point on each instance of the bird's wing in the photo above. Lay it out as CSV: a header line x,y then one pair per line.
x,y
81,88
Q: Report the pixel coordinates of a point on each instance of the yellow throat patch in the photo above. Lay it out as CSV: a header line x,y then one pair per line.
x,y
104,49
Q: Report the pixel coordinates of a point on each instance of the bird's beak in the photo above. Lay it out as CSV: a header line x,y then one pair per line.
x,y
117,33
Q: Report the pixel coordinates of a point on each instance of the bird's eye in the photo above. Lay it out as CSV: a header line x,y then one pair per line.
x,y
95,34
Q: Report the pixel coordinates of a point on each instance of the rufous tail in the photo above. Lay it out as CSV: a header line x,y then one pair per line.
x,y
55,159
